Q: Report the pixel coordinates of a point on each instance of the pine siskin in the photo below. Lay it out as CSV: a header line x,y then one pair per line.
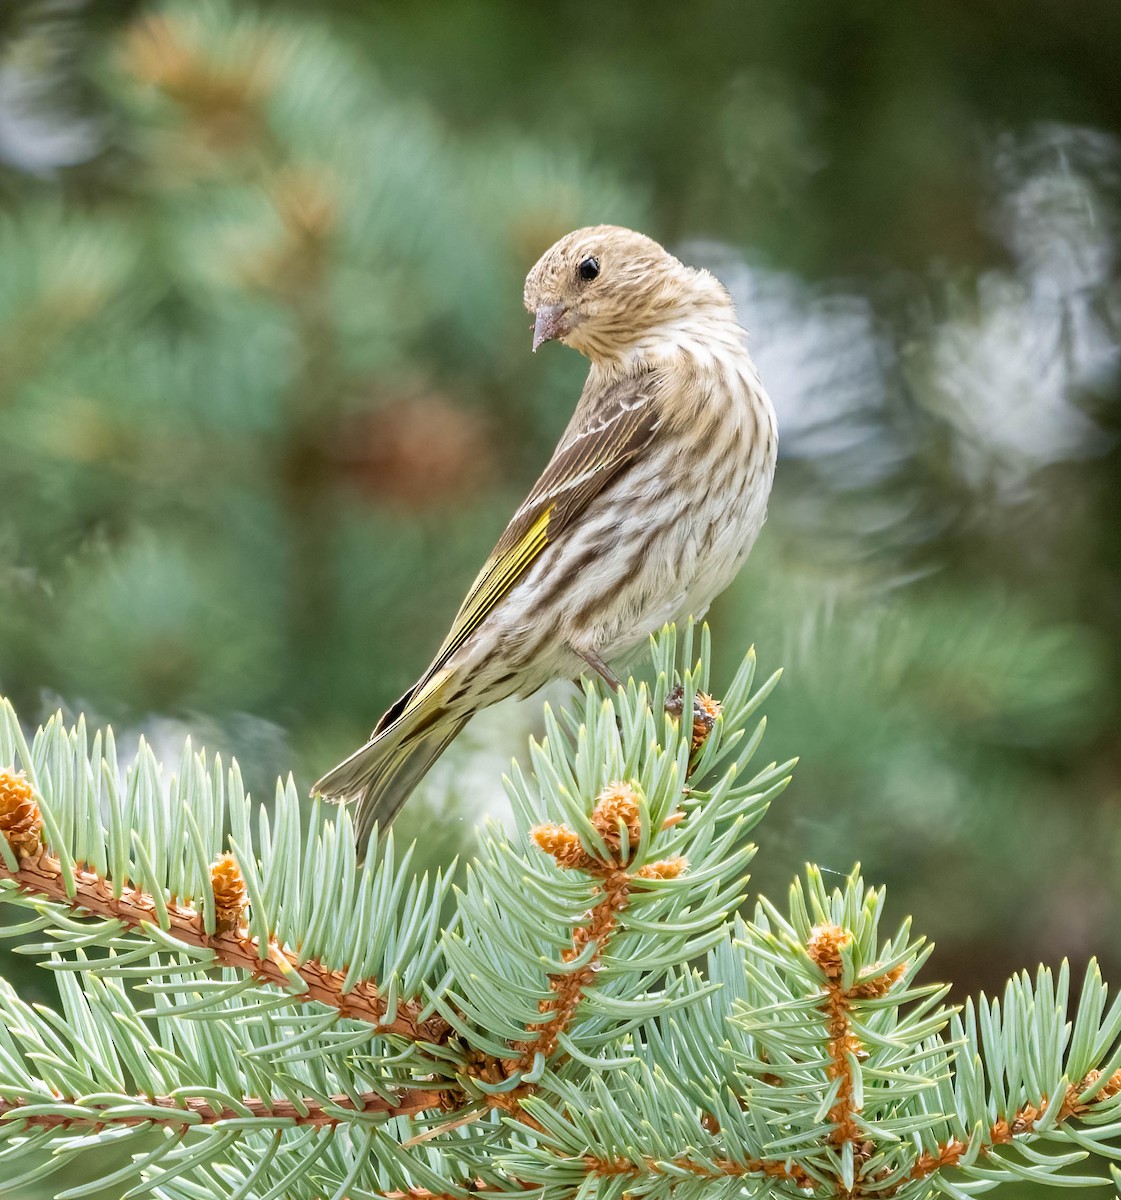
x,y
645,512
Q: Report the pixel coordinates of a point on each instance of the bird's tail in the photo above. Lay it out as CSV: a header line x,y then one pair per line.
x,y
381,775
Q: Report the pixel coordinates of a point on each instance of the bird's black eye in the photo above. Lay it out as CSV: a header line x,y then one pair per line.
x,y
588,269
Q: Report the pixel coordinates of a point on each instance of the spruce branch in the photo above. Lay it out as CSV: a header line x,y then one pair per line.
x,y
844,1047
84,893
635,846
1025,1121
153,876
1002,1133
820,1065
578,1052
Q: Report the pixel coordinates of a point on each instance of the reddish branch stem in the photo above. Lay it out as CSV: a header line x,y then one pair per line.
x,y
824,947
1003,1132
179,1109
721,1168
568,988
842,1043
41,875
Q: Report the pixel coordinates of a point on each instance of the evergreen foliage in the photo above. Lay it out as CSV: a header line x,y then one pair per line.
x,y
248,1012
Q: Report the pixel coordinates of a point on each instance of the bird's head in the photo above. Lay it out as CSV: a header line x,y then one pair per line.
x,y
604,290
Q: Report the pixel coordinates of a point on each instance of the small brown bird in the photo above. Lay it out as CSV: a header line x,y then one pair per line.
x,y
645,512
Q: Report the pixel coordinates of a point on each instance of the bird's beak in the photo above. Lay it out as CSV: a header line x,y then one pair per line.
x,y
549,324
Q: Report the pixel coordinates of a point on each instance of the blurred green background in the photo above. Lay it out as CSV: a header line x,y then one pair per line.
x,y
266,397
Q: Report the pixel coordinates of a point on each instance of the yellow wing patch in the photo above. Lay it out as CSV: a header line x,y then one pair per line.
x,y
495,580
429,690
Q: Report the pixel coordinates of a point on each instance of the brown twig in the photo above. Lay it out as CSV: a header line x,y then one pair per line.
x,y
475,1186
616,815
41,875
193,1110
825,945
616,811
721,1168
568,989
1003,1132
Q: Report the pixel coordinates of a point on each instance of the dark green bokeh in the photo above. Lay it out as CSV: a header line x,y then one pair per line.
x,y
266,397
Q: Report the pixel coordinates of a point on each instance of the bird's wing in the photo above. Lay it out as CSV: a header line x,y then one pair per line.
x,y
608,430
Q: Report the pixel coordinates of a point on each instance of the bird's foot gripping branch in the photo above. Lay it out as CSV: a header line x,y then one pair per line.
x,y
222,1027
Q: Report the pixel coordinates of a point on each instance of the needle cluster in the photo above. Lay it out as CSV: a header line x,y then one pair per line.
x,y
594,1019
